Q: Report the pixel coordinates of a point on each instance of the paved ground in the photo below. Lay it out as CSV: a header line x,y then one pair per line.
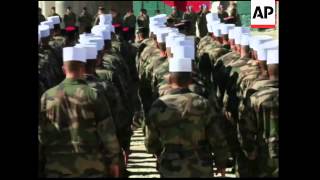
x,y
143,165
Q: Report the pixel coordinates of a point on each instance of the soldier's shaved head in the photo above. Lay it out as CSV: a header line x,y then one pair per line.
x,y
162,46
180,79
245,51
273,71
73,69
264,70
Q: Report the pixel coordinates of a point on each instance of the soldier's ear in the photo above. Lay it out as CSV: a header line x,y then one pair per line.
x,y
169,79
63,69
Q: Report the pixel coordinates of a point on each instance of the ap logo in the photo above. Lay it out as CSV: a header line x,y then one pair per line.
x,y
263,13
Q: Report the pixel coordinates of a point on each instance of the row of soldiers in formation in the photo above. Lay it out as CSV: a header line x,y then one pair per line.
x,y
130,21
194,97
85,19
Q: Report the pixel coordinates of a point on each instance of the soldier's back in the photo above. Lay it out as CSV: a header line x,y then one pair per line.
x,y
179,118
72,147
265,103
204,41
229,57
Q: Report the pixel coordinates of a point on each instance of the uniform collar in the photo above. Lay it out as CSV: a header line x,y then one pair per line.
x,y
272,83
73,81
179,91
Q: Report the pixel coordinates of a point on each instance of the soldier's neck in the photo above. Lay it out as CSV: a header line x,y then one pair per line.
x,y
176,86
163,54
74,76
273,77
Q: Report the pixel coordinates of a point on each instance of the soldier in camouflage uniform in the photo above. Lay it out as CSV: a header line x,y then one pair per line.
x,y
220,64
160,83
156,61
149,52
57,41
85,19
140,44
262,61
49,63
119,72
112,95
258,123
77,144
183,130
226,78
208,57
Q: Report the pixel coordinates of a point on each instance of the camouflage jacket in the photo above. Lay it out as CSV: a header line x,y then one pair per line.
x,y
110,76
49,67
228,57
207,61
76,132
207,47
158,77
119,112
259,127
140,45
57,44
146,55
215,52
230,96
108,90
156,63
113,71
184,127
205,41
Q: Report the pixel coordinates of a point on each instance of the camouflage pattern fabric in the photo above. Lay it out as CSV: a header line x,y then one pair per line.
x,y
49,67
258,129
182,131
76,132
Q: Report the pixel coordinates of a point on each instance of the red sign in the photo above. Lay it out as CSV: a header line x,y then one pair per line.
x,y
181,5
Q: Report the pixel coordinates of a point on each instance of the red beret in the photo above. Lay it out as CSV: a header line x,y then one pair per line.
x,y
70,28
125,29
